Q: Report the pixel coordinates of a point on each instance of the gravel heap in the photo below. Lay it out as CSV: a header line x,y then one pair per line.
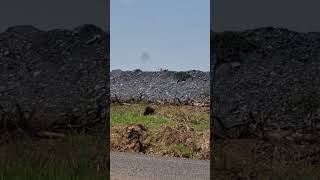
x,y
55,76
266,77
163,86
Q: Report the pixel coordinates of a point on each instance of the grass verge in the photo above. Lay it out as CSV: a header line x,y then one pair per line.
x,y
174,130
76,157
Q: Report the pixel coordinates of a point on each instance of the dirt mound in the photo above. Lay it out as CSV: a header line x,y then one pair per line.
x,y
164,86
130,139
267,77
177,142
61,71
188,142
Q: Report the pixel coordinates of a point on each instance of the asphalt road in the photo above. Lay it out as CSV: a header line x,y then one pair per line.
x,y
125,166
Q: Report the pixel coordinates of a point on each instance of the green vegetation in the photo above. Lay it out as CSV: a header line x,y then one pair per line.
x,y
126,115
137,70
174,130
182,76
184,150
166,116
77,157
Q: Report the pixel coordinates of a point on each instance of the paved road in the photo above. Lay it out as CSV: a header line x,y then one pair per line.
x,y
125,166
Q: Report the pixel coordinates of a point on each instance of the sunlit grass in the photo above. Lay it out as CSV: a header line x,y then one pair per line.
x,y
166,115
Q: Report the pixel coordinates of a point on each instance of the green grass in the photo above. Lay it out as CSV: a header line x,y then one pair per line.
x,y
73,158
181,118
184,150
200,122
56,171
167,116
126,115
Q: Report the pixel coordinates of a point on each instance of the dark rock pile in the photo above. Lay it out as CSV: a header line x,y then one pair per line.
x,y
267,77
163,86
56,77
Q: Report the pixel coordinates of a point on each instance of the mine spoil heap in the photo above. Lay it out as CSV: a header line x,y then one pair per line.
x,y
266,78
160,86
53,77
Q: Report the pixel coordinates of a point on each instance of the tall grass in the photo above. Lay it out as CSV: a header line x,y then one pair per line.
x,y
78,157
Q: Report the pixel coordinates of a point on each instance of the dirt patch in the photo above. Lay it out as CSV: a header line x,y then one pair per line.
x,y
130,139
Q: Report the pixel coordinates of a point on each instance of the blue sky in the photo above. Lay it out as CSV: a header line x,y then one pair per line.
x,y
153,34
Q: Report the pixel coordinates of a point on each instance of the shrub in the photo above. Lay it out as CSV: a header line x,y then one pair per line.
x,y
137,70
182,76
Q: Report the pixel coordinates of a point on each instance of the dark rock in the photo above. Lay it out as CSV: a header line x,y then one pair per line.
x,y
160,86
235,64
277,84
54,72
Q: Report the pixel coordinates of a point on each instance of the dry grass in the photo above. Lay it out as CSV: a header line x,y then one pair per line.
x,y
258,159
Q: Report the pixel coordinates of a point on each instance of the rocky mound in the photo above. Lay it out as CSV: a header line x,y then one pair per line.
x,y
267,77
56,77
163,86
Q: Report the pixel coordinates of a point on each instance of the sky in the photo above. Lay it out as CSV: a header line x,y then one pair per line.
x,y
154,34
53,14
297,15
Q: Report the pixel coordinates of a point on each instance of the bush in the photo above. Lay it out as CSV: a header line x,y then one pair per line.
x,y
182,76
137,70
